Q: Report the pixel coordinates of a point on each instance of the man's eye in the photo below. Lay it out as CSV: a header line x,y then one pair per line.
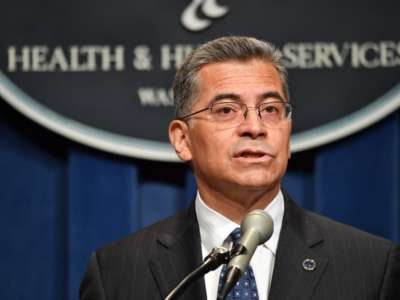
x,y
270,109
225,109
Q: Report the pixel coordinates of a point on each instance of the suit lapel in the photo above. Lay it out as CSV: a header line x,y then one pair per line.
x,y
178,252
299,265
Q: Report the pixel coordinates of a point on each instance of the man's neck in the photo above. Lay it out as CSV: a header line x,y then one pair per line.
x,y
235,204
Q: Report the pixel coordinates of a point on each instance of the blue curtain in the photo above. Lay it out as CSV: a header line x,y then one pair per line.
x,y
59,201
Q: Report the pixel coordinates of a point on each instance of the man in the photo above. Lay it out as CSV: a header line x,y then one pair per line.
x,y
233,123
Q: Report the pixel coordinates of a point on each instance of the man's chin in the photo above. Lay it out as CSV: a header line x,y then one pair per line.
x,y
257,182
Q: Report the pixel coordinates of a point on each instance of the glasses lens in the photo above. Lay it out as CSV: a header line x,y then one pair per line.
x,y
273,113
227,112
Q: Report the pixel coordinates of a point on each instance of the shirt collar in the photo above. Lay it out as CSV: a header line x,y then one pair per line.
x,y
214,227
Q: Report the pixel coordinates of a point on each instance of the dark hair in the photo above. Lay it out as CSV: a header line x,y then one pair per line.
x,y
185,85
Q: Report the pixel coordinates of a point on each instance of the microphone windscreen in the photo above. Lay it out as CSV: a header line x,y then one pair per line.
x,y
259,221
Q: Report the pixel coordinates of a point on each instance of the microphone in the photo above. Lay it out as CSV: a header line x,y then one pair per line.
x,y
256,228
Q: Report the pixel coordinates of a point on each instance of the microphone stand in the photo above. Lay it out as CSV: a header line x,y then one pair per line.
x,y
218,256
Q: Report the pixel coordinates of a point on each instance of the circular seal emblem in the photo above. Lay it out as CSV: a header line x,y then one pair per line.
x,y
101,75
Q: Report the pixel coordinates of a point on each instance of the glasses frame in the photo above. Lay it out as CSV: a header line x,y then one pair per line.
x,y
288,109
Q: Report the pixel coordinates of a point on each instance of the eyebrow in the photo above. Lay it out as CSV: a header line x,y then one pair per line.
x,y
237,98
225,96
275,95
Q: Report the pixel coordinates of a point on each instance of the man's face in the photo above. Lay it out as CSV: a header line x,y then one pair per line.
x,y
249,155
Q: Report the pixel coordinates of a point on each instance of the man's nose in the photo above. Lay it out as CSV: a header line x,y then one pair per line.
x,y
248,108
252,124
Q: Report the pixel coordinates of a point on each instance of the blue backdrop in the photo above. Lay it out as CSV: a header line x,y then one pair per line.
x,y
59,201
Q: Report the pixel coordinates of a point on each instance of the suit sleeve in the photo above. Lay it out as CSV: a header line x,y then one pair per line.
x,y
391,281
92,286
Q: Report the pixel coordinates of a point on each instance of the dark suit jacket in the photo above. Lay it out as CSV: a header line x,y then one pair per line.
x,y
350,264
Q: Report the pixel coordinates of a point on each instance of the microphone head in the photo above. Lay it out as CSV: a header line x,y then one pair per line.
x,y
258,221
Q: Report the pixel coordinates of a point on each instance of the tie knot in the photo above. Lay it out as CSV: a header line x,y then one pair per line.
x,y
235,235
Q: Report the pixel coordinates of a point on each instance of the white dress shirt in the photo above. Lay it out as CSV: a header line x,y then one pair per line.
x,y
215,228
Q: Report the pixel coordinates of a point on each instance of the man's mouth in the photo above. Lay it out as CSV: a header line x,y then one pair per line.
x,y
254,155
247,154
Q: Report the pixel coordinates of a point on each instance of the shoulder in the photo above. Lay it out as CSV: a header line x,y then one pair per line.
x,y
339,232
144,239
354,263
144,242
344,244
309,225
358,256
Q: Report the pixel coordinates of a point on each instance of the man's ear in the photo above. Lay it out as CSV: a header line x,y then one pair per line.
x,y
179,138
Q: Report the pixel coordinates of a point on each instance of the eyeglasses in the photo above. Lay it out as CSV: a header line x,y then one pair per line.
x,y
271,114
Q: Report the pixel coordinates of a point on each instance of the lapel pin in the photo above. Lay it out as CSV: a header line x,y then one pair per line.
x,y
309,264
